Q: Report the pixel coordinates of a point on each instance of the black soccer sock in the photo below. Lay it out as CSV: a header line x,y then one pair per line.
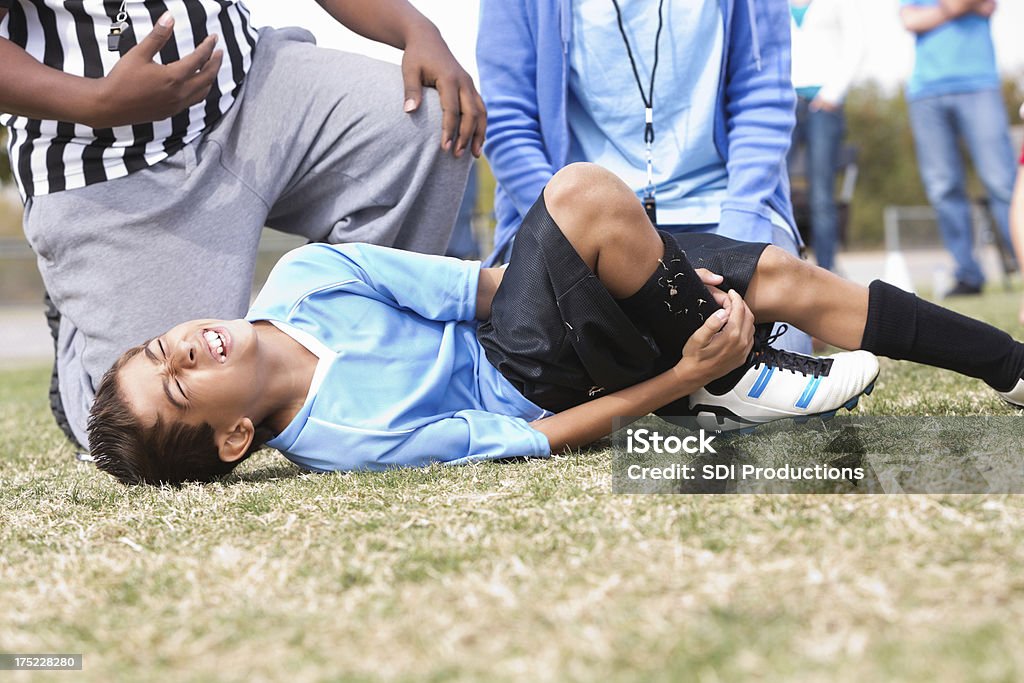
x,y
672,304
905,327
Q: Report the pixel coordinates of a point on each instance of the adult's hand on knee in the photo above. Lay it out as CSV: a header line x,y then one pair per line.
x,y
138,90
721,344
428,61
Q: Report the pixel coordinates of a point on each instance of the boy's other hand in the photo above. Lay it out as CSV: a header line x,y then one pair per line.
x,y
711,281
428,61
138,90
721,344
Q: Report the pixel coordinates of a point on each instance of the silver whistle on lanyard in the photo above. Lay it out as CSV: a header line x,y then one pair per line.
x,y
117,29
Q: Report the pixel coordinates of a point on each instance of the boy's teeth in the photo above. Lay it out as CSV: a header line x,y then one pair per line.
x,y
215,341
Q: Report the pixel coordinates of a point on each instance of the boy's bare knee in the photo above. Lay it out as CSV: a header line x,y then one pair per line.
x,y
782,282
778,266
583,195
585,186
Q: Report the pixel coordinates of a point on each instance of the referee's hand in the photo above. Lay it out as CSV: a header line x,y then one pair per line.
x,y
428,61
138,90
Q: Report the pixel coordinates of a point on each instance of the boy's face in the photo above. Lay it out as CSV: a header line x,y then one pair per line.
x,y
200,371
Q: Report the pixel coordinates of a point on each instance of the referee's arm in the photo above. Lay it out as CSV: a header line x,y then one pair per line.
x,y
136,91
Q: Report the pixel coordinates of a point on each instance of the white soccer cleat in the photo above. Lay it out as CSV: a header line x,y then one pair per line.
x,y
782,384
1015,396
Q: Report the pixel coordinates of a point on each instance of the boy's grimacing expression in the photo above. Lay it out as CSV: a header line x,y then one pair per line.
x,y
199,371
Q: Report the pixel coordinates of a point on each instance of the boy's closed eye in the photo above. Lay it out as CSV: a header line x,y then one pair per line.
x,y
162,360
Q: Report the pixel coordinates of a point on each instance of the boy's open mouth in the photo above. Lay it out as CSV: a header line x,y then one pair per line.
x,y
218,343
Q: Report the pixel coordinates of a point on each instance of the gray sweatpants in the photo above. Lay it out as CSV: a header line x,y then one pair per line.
x,y
316,145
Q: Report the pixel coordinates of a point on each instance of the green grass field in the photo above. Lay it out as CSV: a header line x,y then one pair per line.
x,y
513,571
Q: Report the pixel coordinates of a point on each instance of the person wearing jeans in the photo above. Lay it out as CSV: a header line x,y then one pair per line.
x,y
828,46
954,95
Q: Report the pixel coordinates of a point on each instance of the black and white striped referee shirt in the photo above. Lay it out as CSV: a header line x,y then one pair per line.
x,y
71,35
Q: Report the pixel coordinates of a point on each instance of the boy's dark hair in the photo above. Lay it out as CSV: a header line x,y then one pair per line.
x,y
166,453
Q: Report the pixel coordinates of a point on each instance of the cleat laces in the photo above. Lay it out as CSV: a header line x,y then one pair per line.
x,y
764,354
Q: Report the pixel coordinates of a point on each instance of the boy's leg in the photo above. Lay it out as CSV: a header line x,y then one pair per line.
x,y
320,136
657,287
882,319
126,259
827,306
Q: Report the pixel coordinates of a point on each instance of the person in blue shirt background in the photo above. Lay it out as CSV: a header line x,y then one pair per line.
x,y
360,357
562,83
954,95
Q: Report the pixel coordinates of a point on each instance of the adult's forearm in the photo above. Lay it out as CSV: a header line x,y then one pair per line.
x,y
32,89
958,7
590,421
392,22
921,19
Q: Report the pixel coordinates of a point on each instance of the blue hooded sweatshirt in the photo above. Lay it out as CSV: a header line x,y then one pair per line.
x,y
523,58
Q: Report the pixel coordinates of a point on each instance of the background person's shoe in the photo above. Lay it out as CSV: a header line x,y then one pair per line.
x,y
964,289
56,404
781,384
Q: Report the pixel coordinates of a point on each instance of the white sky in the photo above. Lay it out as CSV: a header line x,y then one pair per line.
x,y
890,55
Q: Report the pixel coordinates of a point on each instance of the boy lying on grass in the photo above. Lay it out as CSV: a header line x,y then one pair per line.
x,y
360,357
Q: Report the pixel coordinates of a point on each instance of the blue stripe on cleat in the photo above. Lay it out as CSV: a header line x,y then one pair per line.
x,y
761,382
809,391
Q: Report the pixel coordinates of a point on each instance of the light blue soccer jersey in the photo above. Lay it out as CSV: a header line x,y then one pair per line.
x,y
401,380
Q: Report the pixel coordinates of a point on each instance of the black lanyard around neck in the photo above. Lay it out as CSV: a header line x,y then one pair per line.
x,y
648,99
